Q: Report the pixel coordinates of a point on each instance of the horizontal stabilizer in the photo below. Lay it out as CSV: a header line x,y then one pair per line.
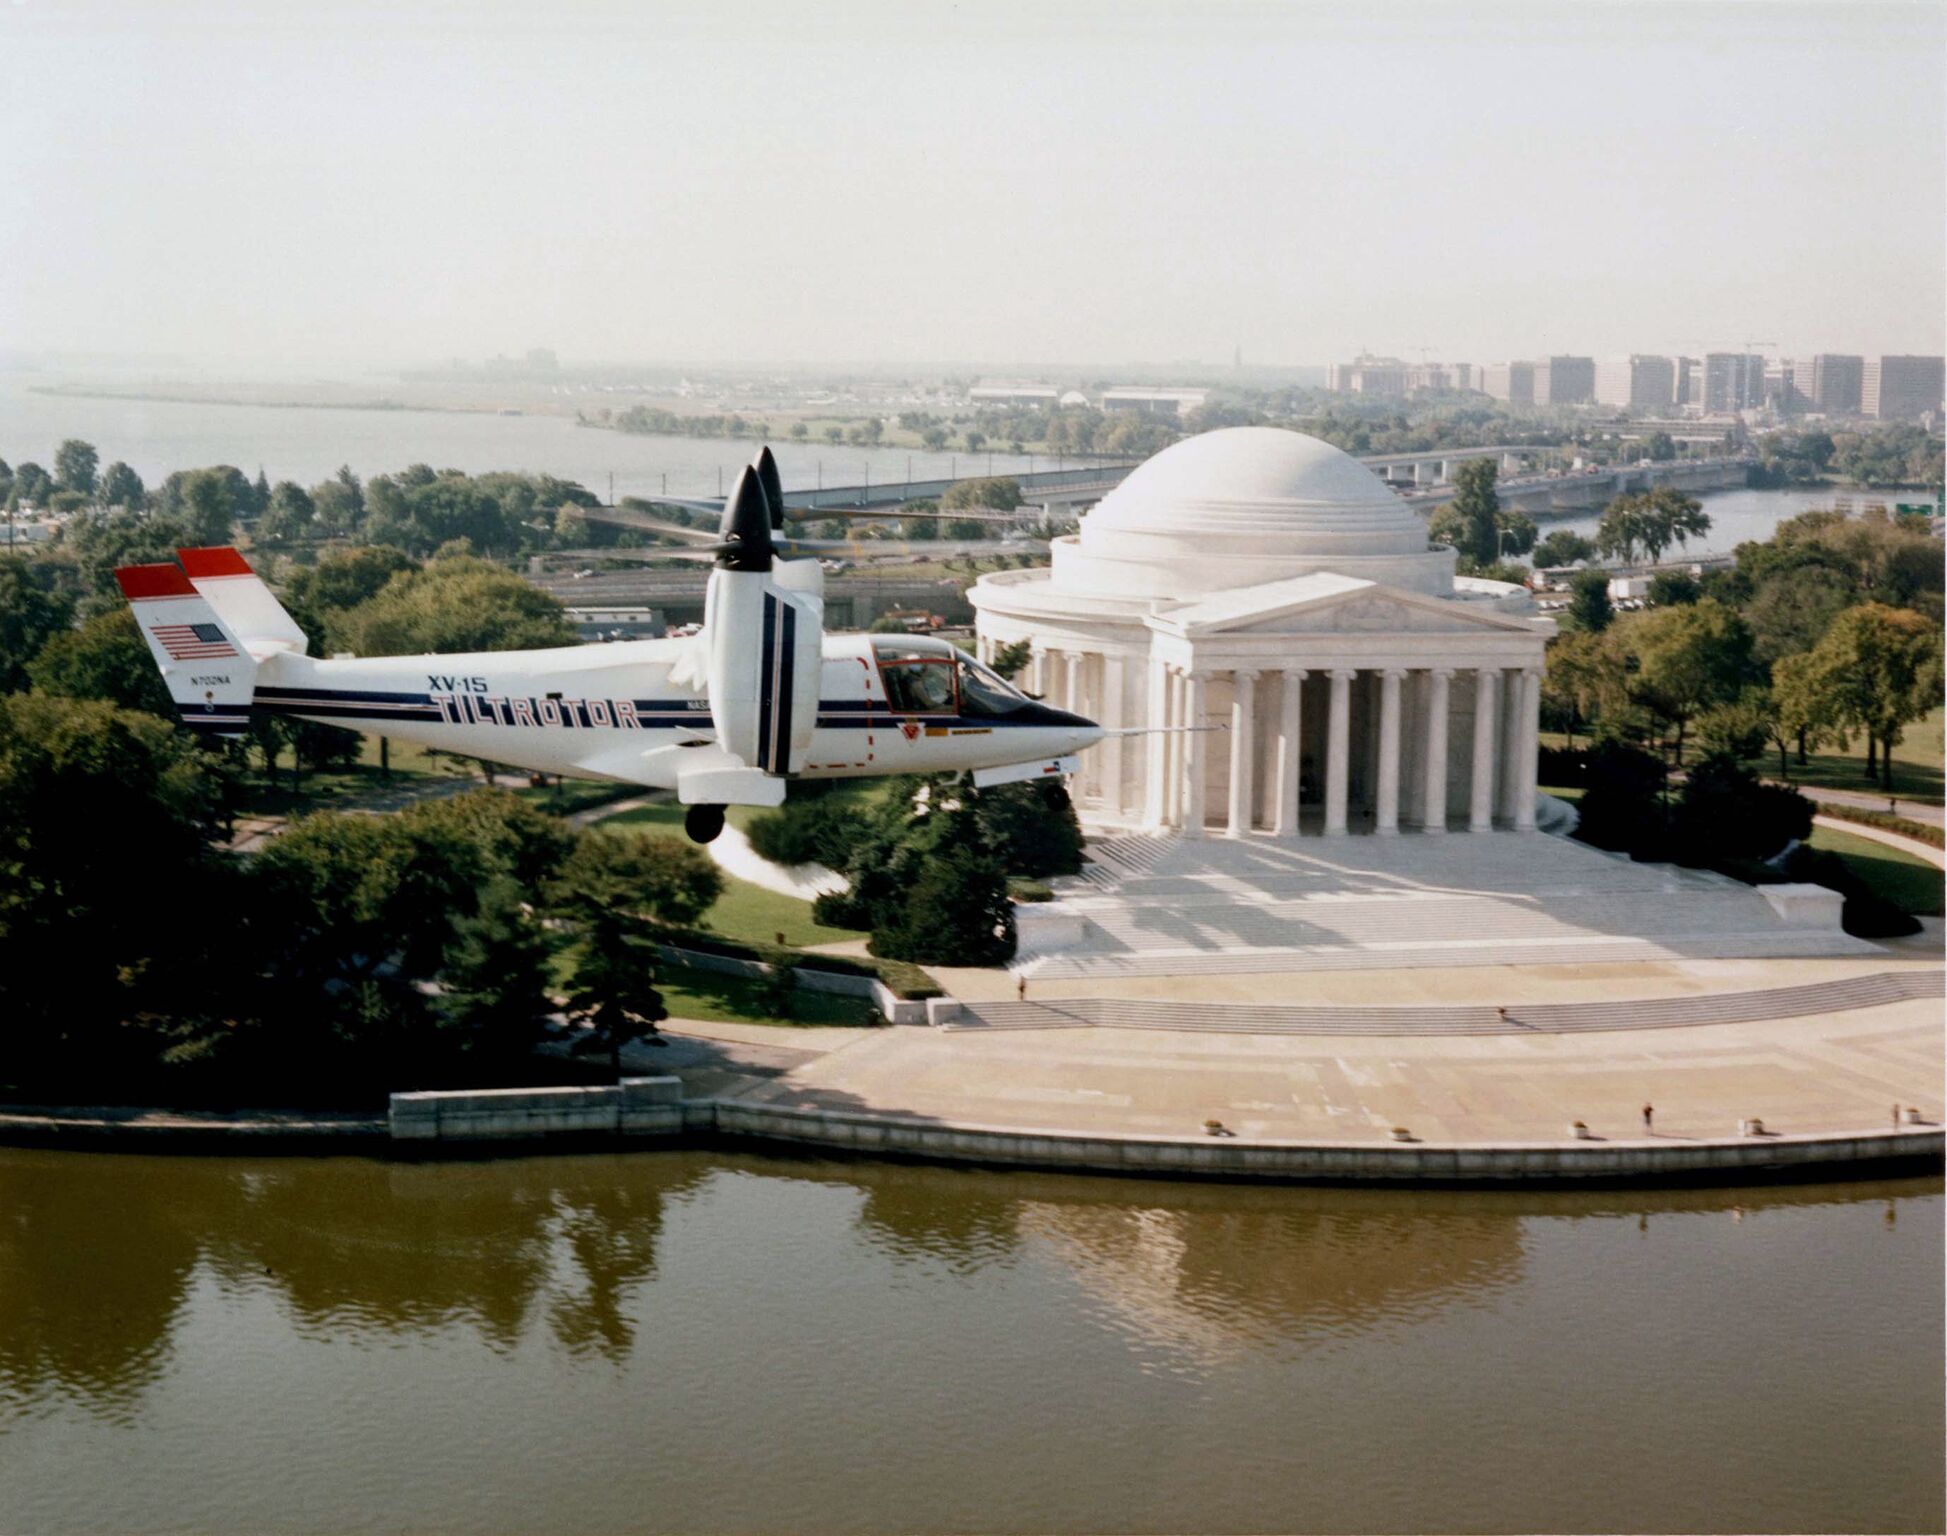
x,y
242,600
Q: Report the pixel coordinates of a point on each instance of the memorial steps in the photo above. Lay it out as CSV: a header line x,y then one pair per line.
x,y
1152,906
1838,996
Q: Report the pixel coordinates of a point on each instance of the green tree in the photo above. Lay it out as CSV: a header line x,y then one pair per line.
x,y
1660,446
1515,533
1800,708
32,485
30,616
455,603
1471,526
75,465
1589,605
1563,547
106,658
493,980
1009,659
605,891
122,487
210,508
1687,659
1791,609
290,514
107,886
1000,495
1877,669
1030,827
1671,589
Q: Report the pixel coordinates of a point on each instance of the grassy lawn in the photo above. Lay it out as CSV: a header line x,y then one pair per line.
x,y
692,994
743,911
1917,761
1903,879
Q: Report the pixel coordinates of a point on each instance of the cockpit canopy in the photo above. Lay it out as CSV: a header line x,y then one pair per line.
x,y
924,676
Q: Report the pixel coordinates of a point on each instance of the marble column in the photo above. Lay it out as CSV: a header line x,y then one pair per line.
x,y
1527,759
1038,672
1387,817
1285,820
1487,693
1243,753
1115,679
1433,787
1071,699
1199,754
1156,745
1173,796
1338,734
1512,709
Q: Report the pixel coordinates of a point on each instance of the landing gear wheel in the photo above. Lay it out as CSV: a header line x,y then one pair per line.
x,y
703,823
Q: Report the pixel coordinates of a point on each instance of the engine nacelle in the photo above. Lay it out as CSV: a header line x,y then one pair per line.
x,y
766,662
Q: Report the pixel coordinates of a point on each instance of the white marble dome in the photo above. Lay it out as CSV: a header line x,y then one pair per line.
x,y
1246,505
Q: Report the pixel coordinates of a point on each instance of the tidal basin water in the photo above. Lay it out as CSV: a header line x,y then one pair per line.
x,y
703,1342
157,437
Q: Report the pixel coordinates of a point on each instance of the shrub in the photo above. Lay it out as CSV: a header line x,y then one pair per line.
x,y
815,831
1865,914
1621,808
1564,767
1724,811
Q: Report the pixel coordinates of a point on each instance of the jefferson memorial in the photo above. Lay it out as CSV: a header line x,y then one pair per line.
x,y
1262,581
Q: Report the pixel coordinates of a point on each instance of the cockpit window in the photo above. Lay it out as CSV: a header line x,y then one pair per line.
x,y
982,693
918,680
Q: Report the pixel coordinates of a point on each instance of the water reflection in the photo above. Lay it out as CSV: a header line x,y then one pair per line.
x,y
99,1254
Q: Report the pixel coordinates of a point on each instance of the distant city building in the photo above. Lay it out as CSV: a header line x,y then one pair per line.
x,y
1781,389
1512,382
1640,382
1029,395
1830,382
1901,388
1688,380
1732,382
1154,402
1367,375
1564,380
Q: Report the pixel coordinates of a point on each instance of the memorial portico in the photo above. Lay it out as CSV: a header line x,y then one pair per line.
x,y
1306,663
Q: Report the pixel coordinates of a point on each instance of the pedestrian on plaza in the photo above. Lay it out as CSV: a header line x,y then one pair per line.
x,y
1021,989
1649,1112
1896,1117
1502,1012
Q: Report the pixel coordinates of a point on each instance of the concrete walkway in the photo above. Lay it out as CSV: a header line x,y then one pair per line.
x,y
1912,845
1838,1073
1913,810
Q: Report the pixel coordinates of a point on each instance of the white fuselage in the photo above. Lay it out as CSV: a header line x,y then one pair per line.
x,y
639,710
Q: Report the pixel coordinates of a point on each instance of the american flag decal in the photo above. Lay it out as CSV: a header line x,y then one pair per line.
x,y
192,642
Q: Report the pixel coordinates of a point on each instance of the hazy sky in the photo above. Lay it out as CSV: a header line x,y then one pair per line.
x,y
987,182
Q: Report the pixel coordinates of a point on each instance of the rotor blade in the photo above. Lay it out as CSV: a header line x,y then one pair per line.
x,y
767,477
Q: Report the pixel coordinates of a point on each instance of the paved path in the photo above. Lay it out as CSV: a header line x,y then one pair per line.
x,y
1913,810
1912,845
1679,1012
735,856
1827,1073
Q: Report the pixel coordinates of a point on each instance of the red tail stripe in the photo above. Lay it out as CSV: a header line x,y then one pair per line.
x,y
224,561
140,581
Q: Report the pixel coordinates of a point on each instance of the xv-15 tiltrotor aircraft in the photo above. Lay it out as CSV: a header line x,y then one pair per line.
x,y
759,697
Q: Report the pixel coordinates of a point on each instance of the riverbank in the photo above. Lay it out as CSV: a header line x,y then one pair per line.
x,y
1836,1077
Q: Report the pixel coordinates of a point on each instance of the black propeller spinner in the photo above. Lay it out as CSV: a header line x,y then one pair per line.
x,y
746,526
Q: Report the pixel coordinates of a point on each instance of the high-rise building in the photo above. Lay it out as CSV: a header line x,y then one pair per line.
x,y
1688,379
1639,383
1830,382
1368,375
1733,382
1901,388
1564,380
1512,382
